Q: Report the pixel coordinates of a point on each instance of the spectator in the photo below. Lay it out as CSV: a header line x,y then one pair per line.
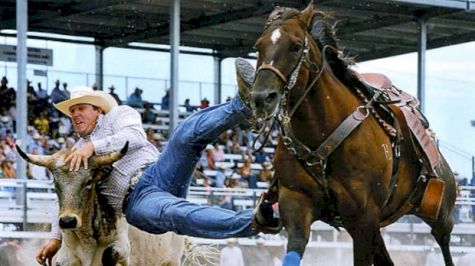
x,y
66,93
65,126
231,255
234,181
220,177
246,172
8,169
223,139
158,141
5,125
266,173
42,94
209,157
42,100
114,95
206,159
232,145
37,144
56,94
217,153
41,123
30,130
188,107
204,103
149,133
166,100
7,95
135,99
10,142
32,98
3,84
260,156
12,114
37,172
149,116
199,176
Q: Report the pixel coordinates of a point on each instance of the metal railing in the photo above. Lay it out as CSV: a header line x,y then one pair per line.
x,y
38,204
153,88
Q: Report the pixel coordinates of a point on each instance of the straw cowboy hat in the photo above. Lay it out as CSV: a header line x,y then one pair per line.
x,y
87,95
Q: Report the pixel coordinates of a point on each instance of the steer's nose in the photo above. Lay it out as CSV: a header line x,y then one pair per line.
x,y
264,99
68,222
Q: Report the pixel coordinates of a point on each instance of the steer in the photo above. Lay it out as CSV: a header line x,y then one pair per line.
x,y
93,233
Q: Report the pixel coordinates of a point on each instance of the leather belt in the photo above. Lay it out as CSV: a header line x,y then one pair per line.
x,y
134,180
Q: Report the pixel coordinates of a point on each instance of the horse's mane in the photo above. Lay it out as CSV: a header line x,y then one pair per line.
x,y
323,33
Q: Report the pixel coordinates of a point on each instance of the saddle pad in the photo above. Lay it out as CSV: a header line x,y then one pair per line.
x,y
427,143
432,198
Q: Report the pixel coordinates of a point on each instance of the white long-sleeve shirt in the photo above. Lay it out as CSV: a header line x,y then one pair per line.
x,y
231,256
110,134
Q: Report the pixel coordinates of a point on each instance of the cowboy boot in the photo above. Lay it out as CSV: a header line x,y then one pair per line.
x,y
264,220
245,74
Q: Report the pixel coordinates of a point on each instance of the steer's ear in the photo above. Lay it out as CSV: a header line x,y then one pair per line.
x,y
109,159
41,160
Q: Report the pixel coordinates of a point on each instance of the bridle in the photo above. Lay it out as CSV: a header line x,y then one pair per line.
x,y
281,110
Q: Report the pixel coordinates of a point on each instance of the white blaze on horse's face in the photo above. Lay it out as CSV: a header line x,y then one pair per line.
x,y
275,36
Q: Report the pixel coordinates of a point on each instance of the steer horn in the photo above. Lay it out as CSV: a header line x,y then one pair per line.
x,y
111,157
42,160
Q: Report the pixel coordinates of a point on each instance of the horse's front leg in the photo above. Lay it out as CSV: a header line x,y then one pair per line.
x,y
296,214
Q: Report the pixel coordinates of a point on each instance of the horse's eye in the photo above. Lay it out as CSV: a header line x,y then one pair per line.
x,y
296,48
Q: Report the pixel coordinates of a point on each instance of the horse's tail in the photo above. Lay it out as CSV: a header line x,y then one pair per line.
x,y
200,254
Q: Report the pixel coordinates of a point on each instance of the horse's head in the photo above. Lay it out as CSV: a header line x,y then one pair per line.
x,y
282,48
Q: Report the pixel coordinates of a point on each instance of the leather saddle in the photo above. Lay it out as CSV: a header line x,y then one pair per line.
x,y
405,108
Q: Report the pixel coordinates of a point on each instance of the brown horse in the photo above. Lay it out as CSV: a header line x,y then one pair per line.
x,y
361,177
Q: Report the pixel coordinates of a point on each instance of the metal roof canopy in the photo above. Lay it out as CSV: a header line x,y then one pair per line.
x,y
369,29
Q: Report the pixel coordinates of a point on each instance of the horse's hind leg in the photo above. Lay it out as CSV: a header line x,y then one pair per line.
x,y
381,254
441,230
296,214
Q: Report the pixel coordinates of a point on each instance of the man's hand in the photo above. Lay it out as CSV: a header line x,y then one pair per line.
x,y
80,155
47,251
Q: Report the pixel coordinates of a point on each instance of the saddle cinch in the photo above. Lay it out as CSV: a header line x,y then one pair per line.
x,y
405,108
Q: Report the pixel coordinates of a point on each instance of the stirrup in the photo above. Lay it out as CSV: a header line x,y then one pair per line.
x,y
258,226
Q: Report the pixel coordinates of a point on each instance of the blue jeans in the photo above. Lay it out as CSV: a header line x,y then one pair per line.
x,y
157,203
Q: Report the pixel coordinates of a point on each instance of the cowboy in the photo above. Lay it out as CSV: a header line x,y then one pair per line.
x,y
150,191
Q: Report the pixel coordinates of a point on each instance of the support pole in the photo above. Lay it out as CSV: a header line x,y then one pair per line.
x,y
217,80
100,67
21,101
174,57
421,62
473,166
